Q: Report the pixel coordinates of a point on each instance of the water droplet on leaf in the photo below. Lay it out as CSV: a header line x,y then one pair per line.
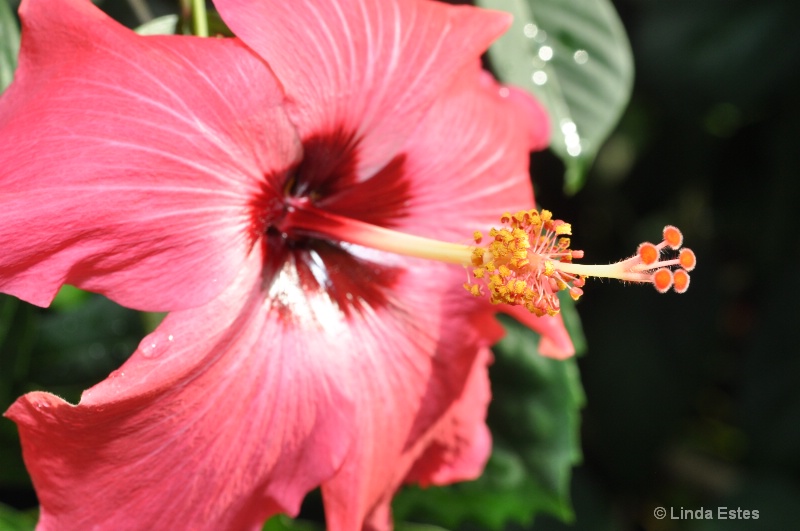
x,y
581,57
530,30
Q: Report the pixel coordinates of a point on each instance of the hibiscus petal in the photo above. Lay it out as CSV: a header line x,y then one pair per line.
x,y
467,162
450,193
483,172
555,341
225,415
531,112
462,443
464,166
231,412
417,358
128,163
365,68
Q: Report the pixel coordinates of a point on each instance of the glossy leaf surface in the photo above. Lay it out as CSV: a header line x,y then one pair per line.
x,y
575,57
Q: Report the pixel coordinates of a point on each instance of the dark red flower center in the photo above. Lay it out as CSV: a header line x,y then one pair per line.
x,y
327,177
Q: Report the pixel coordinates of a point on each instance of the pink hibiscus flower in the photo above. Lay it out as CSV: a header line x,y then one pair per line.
x,y
235,183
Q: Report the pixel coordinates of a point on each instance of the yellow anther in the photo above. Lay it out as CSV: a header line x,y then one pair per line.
x,y
477,236
563,228
479,272
519,287
502,251
549,268
504,271
535,310
474,289
521,216
477,256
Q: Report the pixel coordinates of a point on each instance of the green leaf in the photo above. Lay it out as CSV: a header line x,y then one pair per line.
x,y
69,297
534,418
574,56
418,527
284,523
9,44
13,520
572,322
166,25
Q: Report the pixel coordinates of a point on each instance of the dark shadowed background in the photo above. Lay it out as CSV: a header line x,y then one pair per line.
x,y
692,400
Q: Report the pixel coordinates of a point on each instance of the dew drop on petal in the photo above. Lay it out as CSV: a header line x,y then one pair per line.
x,y
156,344
148,348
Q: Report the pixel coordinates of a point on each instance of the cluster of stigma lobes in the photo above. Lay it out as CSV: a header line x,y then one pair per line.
x,y
528,262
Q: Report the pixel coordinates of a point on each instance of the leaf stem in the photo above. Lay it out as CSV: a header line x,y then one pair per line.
x,y
199,18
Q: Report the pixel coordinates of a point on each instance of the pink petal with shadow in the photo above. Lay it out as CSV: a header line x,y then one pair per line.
x,y
368,68
128,163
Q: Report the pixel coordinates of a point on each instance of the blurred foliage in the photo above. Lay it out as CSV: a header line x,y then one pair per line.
x,y
9,44
14,520
284,523
574,56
